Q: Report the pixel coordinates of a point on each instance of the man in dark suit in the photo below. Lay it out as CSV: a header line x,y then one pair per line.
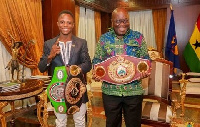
x,y
66,50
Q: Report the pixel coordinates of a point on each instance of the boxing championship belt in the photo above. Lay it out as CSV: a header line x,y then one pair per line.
x,y
75,88
55,90
121,69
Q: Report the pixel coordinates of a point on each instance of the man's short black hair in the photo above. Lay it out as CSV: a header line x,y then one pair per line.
x,y
66,12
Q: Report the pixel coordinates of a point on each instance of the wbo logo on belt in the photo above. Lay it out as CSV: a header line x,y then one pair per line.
x,y
121,69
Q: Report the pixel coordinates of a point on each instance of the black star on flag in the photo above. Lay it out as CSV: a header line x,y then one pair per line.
x,y
197,44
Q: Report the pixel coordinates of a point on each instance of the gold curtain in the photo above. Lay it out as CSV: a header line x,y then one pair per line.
x,y
23,20
77,13
159,20
97,18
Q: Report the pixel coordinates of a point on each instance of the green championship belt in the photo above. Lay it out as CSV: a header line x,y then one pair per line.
x,y
55,90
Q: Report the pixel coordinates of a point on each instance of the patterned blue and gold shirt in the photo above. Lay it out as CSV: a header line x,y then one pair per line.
x,y
132,44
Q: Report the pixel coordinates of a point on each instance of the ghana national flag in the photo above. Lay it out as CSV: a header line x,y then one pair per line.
x,y
192,50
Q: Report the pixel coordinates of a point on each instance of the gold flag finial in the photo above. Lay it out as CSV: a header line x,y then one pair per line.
x,y
171,6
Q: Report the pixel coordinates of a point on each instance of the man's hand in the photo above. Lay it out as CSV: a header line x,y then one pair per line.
x,y
144,74
54,51
74,70
95,77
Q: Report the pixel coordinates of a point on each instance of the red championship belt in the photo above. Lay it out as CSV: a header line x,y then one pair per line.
x,y
121,69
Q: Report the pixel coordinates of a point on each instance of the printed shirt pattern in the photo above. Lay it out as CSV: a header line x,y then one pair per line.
x,y
132,44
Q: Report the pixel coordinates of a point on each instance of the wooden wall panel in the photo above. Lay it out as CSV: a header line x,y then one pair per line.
x,y
47,19
105,22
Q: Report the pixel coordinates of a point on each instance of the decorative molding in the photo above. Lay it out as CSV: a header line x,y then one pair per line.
x,y
188,1
109,5
101,5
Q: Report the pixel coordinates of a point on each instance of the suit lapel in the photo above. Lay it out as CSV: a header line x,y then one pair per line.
x,y
60,59
73,47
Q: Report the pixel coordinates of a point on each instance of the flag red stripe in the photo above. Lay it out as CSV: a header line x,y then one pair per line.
x,y
198,23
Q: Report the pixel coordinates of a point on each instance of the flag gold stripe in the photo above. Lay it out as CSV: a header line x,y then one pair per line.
x,y
195,37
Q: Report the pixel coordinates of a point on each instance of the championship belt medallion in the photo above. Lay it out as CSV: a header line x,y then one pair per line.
x,y
55,90
121,69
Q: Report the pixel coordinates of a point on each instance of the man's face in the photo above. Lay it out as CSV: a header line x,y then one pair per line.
x,y
120,22
65,24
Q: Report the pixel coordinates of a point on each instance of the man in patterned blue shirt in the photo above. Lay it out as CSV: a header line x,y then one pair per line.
x,y
126,98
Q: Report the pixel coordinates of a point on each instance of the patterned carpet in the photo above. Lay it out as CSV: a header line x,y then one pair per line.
x,y
192,111
192,114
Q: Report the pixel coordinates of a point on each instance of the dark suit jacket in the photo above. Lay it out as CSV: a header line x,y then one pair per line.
x,y
78,56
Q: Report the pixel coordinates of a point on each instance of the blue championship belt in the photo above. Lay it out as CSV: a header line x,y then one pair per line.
x,y
122,69
55,90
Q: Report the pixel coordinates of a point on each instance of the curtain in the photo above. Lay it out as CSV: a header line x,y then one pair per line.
x,y
142,21
97,18
77,13
86,29
82,22
4,58
22,21
159,19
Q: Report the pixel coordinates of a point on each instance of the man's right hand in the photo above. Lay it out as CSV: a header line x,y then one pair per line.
x,y
54,51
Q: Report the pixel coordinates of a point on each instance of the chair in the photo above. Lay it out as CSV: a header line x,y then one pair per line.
x,y
157,106
153,53
2,114
42,112
189,87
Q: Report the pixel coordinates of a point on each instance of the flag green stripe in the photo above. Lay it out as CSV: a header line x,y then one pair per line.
x,y
191,58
